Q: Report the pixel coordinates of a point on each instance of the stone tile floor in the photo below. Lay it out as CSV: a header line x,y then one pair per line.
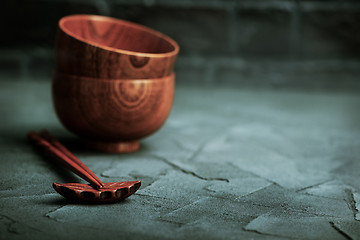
x,y
228,164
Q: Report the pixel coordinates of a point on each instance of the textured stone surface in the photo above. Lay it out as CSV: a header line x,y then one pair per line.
x,y
335,37
228,164
263,33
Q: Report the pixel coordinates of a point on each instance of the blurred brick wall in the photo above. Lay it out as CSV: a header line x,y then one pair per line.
x,y
281,43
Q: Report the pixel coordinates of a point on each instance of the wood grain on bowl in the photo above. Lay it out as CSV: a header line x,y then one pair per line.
x,y
112,114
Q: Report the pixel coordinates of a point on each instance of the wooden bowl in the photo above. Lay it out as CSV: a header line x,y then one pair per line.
x,y
112,114
107,48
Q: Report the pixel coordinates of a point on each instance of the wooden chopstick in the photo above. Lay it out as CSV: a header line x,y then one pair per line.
x,y
47,136
62,158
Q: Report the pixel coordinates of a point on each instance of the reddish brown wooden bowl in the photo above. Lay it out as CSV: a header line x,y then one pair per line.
x,y
112,115
108,48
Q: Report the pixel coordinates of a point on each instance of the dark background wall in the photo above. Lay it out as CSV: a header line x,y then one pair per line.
x,y
304,44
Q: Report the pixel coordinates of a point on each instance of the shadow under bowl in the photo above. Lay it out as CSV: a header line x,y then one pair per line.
x,y
111,115
108,48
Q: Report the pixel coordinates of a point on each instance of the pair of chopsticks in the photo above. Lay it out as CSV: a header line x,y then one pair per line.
x,y
60,153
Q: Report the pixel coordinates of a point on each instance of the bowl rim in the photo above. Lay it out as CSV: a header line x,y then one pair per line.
x,y
174,52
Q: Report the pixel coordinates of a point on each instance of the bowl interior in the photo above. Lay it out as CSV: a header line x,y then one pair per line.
x,y
117,34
